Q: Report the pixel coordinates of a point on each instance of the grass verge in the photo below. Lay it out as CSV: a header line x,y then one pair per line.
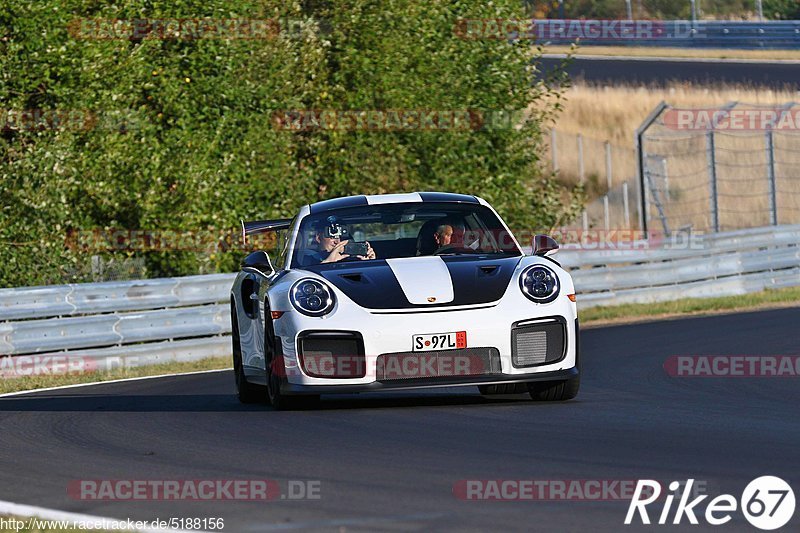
x,y
21,383
647,51
618,314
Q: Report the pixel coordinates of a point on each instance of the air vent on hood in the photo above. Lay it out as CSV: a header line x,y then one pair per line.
x,y
352,276
488,270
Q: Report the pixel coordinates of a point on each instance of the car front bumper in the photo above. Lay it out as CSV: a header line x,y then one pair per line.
x,y
390,334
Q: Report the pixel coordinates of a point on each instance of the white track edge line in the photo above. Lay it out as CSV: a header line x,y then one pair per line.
x,y
32,511
121,380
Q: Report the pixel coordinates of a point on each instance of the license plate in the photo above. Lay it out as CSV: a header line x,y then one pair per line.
x,y
439,341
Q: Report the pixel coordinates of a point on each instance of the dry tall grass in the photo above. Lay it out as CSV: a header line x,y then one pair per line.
x,y
614,113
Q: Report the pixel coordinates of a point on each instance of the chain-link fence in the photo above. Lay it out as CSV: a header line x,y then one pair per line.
x,y
608,174
702,170
720,169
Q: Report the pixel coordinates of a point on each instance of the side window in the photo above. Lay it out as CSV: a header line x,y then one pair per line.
x,y
248,304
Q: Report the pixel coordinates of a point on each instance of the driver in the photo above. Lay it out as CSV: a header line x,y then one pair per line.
x,y
330,242
448,235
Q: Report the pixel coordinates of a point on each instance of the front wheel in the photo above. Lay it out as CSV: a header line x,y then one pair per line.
x,y
276,370
554,391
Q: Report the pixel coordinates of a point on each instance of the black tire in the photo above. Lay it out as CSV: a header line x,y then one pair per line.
x,y
245,391
503,388
554,391
276,371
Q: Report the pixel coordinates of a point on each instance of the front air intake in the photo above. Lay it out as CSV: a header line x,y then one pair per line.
x,y
329,354
541,342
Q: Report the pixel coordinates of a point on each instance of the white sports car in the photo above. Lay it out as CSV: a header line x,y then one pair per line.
x,y
401,291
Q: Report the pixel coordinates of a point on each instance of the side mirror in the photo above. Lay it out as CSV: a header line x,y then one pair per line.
x,y
259,260
544,245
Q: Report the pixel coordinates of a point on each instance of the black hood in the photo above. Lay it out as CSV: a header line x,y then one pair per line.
x,y
373,285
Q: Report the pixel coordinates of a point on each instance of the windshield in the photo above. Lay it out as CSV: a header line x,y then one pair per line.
x,y
391,231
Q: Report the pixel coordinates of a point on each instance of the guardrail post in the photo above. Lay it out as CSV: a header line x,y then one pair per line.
x,y
712,177
609,179
773,193
606,216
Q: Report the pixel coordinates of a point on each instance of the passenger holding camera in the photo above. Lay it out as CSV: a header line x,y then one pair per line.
x,y
332,245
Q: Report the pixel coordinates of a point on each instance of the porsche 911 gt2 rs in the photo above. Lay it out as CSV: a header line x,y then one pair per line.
x,y
401,291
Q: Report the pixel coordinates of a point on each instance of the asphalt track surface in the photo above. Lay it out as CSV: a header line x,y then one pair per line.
x,y
389,463
659,72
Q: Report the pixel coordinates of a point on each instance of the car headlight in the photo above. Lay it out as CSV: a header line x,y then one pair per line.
x,y
312,297
540,284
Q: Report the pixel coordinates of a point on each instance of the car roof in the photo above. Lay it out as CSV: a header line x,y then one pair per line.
x,y
354,201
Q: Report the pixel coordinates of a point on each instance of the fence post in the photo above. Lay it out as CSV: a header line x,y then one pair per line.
x,y
554,149
641,163
606,216
626,205
581,168
608,164
712,176
585,221
773,193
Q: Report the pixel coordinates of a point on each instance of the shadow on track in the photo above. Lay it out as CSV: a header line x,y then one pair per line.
x,y
228,402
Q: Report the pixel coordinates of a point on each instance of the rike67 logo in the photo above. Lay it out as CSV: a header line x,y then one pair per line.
x,y
767,503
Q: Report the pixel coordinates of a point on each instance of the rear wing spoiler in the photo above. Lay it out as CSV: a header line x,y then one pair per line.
x,y
255,227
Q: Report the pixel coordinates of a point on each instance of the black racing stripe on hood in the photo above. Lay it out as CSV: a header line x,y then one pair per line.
x,y
447,197
370,284
373,285
337,203
479,281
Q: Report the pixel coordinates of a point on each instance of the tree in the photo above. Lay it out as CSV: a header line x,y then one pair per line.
x,y
181,136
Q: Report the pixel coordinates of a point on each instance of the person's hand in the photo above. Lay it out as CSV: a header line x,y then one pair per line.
x,y
337,254
370,253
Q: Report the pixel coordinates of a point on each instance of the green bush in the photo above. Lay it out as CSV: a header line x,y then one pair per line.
x,y
197,148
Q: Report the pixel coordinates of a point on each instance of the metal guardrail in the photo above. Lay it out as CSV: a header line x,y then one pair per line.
x,y
95,298
136,323
721,264
688,34
128,323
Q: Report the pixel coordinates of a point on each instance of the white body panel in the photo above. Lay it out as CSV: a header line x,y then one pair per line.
x,y
390,330
424,280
